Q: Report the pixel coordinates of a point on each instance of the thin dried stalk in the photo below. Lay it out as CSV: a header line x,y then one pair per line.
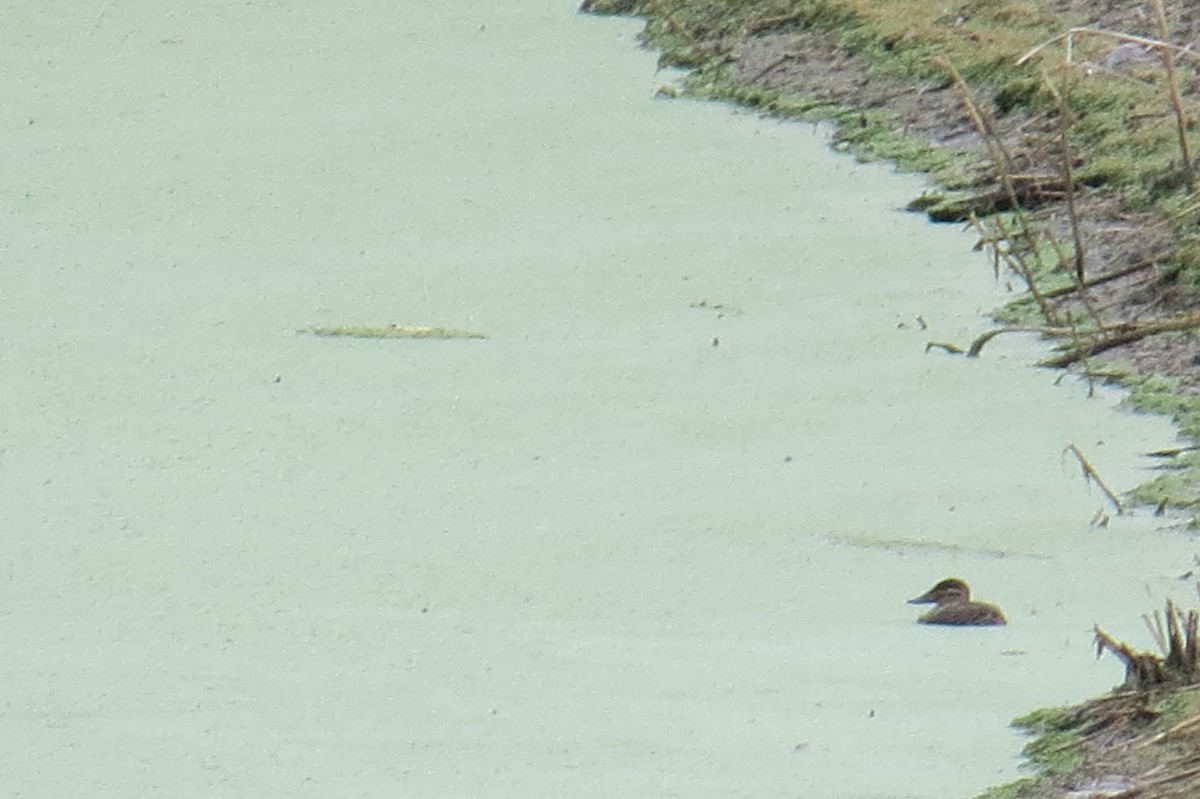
x,y
1109,336
1064,126
1175,729
1069,35
1090,473
1155,625
1024,269
1168,58
1167,51
1000,156
1101,279
1088,342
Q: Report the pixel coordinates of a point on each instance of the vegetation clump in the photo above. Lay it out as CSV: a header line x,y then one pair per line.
x,y
392,331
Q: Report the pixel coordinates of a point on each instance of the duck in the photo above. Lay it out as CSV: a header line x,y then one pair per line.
x,y
954,606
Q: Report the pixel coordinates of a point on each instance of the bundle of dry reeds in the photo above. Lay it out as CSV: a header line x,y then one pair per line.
x,y
1179,660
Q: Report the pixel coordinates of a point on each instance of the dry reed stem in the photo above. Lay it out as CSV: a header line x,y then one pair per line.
x,y
1078,351
1168,58
983,338
1177,649
1023,269
1141,788
986,239
1064,126
1091,341
1090,473
1190,651
1174,729
1001,157
1155,625
1109,336
1100,279
953,349
1118,35
1167,51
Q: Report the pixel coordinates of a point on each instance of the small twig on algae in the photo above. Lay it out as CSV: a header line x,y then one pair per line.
x,y
953,349
1090,473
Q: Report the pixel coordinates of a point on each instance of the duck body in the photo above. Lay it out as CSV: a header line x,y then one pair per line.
x,y
955,607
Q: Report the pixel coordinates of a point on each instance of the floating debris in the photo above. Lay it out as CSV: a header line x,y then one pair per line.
x,y
720,309
392,331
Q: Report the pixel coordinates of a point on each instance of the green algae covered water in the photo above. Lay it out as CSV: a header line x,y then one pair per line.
x,y
651,537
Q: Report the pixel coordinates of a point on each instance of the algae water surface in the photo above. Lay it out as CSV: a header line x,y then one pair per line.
x,y
652,536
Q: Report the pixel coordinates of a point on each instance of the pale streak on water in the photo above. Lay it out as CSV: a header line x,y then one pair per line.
x,y
592,556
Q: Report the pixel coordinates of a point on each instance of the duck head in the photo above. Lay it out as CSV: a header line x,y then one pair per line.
x,y
948,592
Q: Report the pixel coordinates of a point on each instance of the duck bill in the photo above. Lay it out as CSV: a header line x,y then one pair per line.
x,y
923,599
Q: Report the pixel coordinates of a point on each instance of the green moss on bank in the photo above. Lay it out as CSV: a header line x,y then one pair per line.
x,y
1128,743
1121,131
1175,484
1118,118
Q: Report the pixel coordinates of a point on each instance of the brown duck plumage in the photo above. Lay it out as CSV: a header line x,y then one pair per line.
x,y
954,606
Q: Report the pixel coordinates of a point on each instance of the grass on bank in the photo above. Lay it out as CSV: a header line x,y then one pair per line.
x,y
1121,117
1122,123
1121,127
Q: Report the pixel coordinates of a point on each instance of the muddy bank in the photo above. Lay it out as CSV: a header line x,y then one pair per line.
x,y
1069,161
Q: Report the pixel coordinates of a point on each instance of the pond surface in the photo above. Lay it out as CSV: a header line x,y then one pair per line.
x,y
652,537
